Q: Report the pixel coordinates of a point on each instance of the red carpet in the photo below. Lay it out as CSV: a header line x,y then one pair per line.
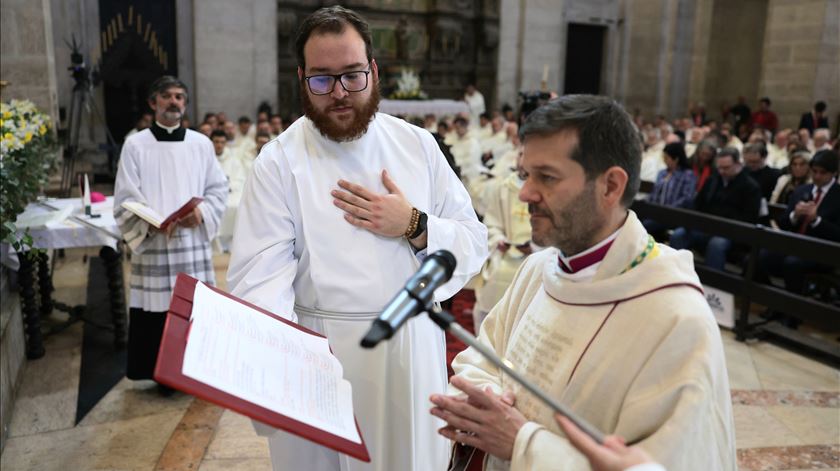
x,y
462,306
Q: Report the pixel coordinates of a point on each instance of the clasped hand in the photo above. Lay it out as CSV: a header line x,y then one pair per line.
x,y
483,419
384,214
806,209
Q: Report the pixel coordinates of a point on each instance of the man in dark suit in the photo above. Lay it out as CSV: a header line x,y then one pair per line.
x,y
813,210
729,193
814,119
755,159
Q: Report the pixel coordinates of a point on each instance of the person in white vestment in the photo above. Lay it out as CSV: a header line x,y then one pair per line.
x,y
163,167
475,102
244,136
607,321
496,143
466,151
276,123
337,213
508,239
230,131
236,172
484,128
506,161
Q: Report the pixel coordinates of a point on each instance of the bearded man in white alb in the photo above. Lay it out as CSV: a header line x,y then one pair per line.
x,y
337,213
163,167
606,321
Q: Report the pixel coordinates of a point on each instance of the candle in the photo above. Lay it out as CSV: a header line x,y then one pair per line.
x,y
545,73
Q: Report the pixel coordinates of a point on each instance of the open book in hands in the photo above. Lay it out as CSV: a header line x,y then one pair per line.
x,y
152,217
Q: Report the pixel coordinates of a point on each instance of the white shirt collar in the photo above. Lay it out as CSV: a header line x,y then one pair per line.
x,y
824,189
169,129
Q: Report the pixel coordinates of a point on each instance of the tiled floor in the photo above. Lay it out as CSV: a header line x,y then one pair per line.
x,y
787,412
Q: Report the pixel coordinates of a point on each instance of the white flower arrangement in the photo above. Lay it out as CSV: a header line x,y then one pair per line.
x,y
20,123
27,155
408,86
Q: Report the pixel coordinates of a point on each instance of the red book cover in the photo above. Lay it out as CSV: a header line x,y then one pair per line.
x,y
170,364
181,212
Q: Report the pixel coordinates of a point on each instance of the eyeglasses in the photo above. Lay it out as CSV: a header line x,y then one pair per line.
x,y
354,81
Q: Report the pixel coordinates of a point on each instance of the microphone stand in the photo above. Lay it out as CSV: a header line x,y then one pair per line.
x,y
447,322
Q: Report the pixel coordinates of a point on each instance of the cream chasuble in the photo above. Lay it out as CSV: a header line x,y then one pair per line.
x,y
636,354
295,254
507,220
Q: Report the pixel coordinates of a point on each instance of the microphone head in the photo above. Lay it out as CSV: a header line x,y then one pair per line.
x,y
447,261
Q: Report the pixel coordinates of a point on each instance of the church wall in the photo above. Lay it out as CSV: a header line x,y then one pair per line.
x,y
533,35
235,47
506,86
801,58
79,19
643,54
733,66
27,61
538,39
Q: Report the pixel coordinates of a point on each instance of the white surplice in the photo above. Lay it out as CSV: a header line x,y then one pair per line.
x,y
295,254
164,175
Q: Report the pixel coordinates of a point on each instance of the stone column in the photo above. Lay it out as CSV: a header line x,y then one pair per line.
x,y
800,57
235,56
27,62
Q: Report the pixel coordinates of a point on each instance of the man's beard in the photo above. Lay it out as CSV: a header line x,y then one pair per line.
x,y
358,125
574,227
173,114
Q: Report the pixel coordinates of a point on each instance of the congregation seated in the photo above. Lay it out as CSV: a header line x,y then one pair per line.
x,y
813,210
778,155
729,193
674,186
755,159
822,139
815,118
799,173
701,162
652,162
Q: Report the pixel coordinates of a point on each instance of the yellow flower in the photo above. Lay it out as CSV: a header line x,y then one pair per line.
x,y
42,130
7,114
8,136
27,137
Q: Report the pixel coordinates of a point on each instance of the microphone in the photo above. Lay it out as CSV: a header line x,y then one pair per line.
x,y
417,296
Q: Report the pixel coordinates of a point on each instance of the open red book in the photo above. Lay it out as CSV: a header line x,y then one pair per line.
x,y
174,360
151,216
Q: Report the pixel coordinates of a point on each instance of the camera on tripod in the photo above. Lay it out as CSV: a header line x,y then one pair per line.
x,y
532,100
82,75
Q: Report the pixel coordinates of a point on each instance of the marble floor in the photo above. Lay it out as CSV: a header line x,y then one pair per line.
x,y
787,411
